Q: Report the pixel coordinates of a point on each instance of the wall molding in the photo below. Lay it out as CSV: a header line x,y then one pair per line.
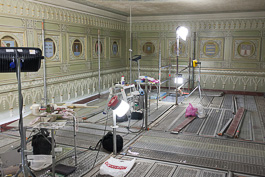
x,y
53,11
241,15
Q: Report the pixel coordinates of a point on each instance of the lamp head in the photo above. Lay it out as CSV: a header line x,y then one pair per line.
x,y
182,32
119,107
179,79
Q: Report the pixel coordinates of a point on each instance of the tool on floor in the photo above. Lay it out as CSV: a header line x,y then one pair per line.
x,y
240,124
182,125
235,123
225,127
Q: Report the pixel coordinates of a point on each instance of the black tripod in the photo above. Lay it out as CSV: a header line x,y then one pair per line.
x,y
21,59
24,168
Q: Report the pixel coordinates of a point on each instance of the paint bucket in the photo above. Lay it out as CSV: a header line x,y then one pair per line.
x,y
35,109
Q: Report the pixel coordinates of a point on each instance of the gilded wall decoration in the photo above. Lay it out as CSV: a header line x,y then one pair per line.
x,y
148,47
95,47
56,39
77,48
183,48
115,48
18,38
211,48
246,49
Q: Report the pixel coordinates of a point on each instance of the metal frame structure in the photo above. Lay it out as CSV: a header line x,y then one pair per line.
x,y
169,72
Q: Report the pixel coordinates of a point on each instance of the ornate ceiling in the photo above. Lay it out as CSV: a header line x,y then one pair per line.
x,y
174,7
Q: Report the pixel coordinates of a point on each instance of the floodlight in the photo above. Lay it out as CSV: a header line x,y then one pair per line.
x,y
182,32
179,79
119,107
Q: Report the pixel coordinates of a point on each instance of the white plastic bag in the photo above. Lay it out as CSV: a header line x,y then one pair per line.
x,y
116,167
39,162
201,112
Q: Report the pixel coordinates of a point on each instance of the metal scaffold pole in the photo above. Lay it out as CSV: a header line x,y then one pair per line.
x,y
130,50
99,49
44,66
159,70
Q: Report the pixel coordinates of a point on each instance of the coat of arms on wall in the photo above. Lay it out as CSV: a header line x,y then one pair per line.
x,y
246,49
211,48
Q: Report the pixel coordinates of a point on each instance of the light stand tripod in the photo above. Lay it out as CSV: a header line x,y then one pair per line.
x,y
194,64
136,58
24,165
10,61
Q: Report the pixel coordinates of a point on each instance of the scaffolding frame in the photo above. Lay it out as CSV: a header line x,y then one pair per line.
x,y
170,66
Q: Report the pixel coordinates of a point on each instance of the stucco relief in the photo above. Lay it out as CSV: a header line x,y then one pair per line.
x,y
230,24
81,55
17,36
246,49
148,47
211,48
57,43
31,9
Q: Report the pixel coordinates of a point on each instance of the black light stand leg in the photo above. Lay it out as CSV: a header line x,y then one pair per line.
x,y
53,153
24,165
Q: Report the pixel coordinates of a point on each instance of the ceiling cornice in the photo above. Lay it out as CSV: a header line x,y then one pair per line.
x,y
240,15
73,6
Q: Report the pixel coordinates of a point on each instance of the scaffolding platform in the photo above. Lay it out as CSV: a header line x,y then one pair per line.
x,y
153,95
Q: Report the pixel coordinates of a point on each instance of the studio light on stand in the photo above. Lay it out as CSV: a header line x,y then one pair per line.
x,y
119,108
182,32
21,59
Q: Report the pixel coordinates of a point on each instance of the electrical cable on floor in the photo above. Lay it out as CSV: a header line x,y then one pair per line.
x,y
100,142
142,126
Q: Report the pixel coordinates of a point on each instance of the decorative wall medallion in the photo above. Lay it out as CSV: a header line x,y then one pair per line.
x,y
50,48
8,41
211,48
96,47
246,49
17,37
115,48
53,45
76,46
148,48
